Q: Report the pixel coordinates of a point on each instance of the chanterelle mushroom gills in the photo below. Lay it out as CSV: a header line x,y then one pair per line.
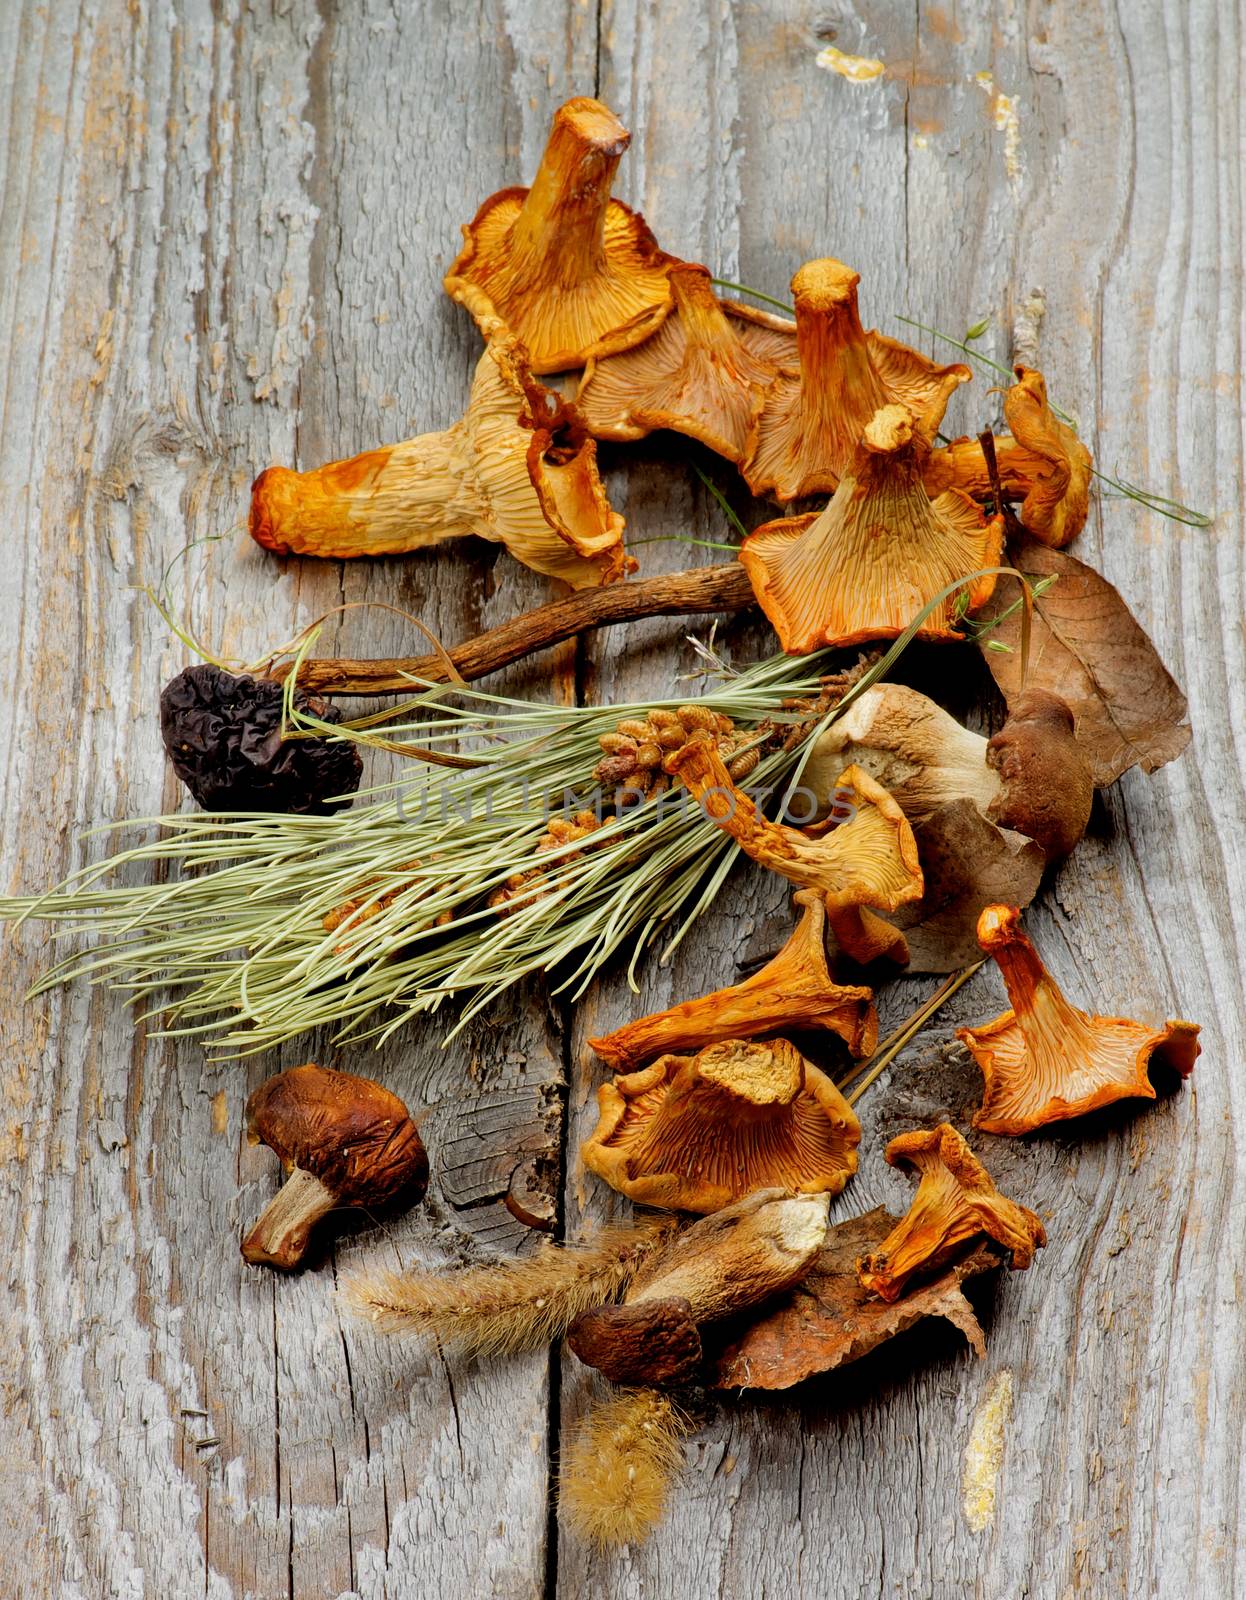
x,y
1030,777
1046,1060
1042,463
517,469
697,376
881,550
574,273
813,418
694,1133
794,991
343,1141
955,1203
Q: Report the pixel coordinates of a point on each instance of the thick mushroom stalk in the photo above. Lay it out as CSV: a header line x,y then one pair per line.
x,y
864,855
694,1133
793,992
955,1203
880,551
695,376
1031,776
813,418
516,469
1046,1060
574,273
343,1141
1041,462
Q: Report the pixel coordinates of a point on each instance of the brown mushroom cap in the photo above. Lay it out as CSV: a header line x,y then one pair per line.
x,y
955,1203
655,1342
696,1133
1047,789
881,550
574,273
1045,1060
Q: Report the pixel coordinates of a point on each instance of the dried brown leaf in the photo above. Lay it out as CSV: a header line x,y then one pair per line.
x,y
829,1319
1087,647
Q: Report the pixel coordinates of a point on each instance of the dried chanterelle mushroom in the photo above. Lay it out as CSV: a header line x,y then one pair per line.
x,y
694,1133
1045,1060
814,415
956,1202
881,550
343,1141
1031,776
697,375
793,992
1042,463
738,1257
574,273
517,469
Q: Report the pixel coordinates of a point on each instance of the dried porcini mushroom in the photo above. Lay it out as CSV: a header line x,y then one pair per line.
x,y
1042,463
1045,1060
517,469
694,376
880,551
694,1133
572,272
739,1257
807,435
868,860
793,992
1031,776
956,1202
343,1141
633,753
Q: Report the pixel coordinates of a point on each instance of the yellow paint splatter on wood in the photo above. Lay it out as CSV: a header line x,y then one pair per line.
x,y
984,1453
220,1111
857,69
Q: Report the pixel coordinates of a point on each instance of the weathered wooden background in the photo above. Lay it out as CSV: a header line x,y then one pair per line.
x,y
223,226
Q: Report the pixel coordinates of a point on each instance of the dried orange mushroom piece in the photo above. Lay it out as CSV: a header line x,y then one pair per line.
x,y
1046,1060
1041,462
955,1203
794,991
880,551
574,273
694,376
517,469
694,1133
866,859
809,428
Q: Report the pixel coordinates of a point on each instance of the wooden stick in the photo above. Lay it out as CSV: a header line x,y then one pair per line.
x,y
701,589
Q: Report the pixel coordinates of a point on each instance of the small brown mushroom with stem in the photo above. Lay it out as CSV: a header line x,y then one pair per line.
x,y
1042,463
955,1203
695,1133
738,1257
808,431
793,992
1045,1060
517,469
881,550
574,273
695,376
343,1141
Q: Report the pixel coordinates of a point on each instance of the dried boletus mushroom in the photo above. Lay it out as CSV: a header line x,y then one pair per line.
x,y
518,469
1045,1060
694,1133
955,1203
794,992
572,272
343,1141
695,376
736,1258
881,550
813,418
1042,463
1031,776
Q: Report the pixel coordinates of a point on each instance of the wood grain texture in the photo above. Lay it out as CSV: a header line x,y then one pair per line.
x,y
222,232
